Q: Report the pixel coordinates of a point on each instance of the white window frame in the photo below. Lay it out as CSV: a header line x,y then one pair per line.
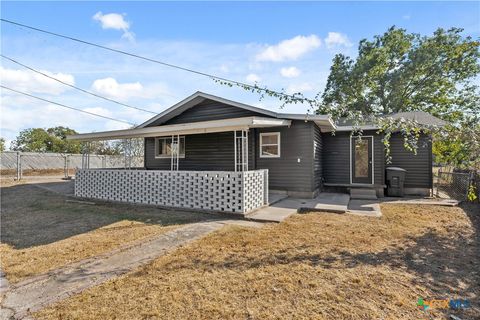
x,y
270,144
157,156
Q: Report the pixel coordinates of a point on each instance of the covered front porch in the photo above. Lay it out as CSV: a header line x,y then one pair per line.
x,y
174,177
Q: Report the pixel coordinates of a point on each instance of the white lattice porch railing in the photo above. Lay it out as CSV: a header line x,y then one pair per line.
x,y
236,192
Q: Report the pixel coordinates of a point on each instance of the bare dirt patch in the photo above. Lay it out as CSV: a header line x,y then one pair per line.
x,y
312,266
41,230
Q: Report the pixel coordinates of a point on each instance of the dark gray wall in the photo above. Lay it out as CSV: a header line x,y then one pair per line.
x,y
215,151
317,159
286,173
419,166
211,151
206,111
336,157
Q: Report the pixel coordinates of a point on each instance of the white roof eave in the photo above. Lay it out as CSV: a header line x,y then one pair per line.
x,y
185,128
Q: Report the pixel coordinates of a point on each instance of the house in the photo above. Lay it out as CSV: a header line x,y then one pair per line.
x,y
210,153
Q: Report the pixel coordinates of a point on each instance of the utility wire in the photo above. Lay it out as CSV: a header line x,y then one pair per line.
x,y
75,87
142,57
65,106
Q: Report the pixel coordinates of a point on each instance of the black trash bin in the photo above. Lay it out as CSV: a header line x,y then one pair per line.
x,y
395,181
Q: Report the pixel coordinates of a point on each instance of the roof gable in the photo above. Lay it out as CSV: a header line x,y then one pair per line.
x,y
201,107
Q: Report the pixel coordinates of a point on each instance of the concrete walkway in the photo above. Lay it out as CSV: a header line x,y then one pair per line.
x,y
422,201
366,208
37,292
281,210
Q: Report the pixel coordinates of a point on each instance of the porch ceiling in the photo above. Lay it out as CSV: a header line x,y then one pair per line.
x,y
233,124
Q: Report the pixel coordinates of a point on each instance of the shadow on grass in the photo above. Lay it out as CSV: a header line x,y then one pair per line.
x,y
446,264
33,215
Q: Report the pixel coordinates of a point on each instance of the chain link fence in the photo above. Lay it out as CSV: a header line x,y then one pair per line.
x,y
455,185
15,165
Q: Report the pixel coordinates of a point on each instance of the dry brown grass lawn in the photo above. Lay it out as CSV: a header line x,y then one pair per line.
x,y
21,263
41,231
312,266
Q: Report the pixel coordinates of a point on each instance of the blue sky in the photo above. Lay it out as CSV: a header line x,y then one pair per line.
x,y
280,44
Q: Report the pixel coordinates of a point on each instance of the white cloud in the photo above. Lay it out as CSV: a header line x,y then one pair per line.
x,y
406,17
301,87
336,39
224,68
290,72
111,88
290,49
252,77
115,21
100,111
28,81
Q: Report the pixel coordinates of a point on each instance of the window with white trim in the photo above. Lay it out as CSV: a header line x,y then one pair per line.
x,y
270,145
163,147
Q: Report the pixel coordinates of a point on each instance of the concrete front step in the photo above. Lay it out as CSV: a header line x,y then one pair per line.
x,y
363,194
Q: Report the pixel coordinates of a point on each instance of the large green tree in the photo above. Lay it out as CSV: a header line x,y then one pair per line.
x,y
2,144
400,71
55,140
49,140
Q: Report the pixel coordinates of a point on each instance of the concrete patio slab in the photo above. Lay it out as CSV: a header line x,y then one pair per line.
x,y
329,202
276,197
368,208
277,212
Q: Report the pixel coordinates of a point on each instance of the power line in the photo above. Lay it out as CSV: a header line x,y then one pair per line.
x,y
64,106
75,87
238,83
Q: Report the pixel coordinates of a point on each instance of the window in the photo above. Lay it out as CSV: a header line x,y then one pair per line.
x,y
270,145
163,147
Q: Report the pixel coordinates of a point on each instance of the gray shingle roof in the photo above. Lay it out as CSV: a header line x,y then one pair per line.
x,y
423,118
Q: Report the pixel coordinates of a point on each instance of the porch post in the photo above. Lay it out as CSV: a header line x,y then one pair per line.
x,y
125,150
240,148
86,156
246,150
178,151
128,153
243,150
171,154
235,148
175,153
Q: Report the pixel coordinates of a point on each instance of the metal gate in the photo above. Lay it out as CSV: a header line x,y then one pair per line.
x,y
452,185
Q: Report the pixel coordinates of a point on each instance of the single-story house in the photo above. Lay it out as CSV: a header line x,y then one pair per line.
x,y
207,152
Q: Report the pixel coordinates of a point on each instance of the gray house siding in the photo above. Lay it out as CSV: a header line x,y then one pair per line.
x,y
379,156
286,172
317,157
419,166
207,111
215,151
211,151
308,158
336,158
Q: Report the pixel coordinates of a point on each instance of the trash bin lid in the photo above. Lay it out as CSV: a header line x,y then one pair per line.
x,y
396,169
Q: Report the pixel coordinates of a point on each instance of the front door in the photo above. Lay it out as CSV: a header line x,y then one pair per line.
x,y
362,160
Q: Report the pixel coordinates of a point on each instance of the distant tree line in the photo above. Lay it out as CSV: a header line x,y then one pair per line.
x,y
55,140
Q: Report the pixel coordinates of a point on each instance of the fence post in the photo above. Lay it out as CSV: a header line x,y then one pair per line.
x,y
19,166
65,166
